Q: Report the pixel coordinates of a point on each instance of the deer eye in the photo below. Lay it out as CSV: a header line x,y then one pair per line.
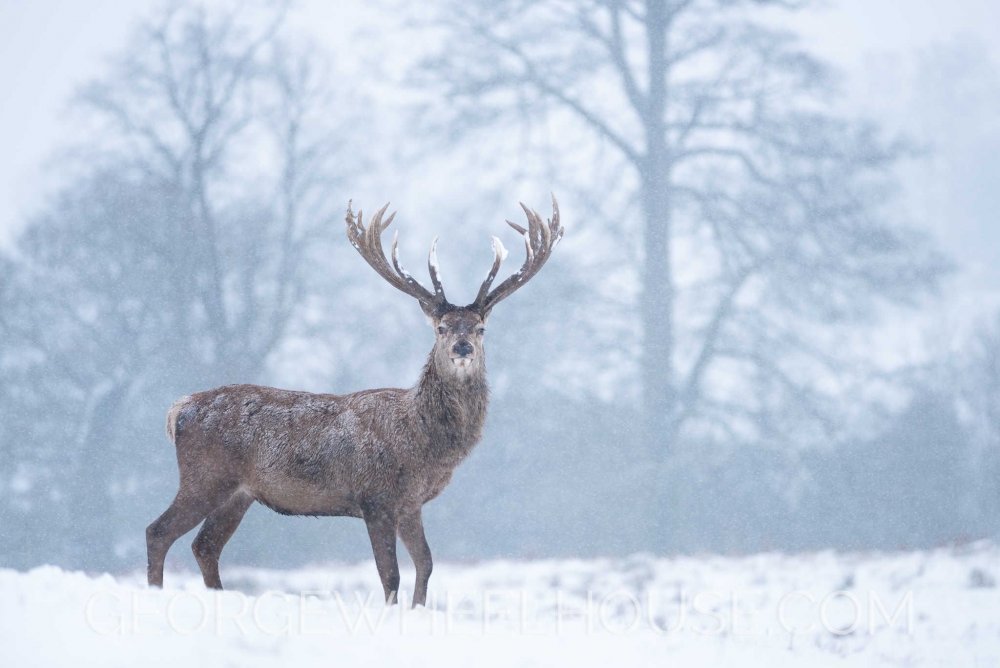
x,y
442,329
481,331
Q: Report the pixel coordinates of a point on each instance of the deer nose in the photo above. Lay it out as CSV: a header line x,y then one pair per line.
x,y
463,348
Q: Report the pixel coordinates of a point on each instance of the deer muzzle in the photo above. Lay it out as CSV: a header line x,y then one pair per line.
x,y
462,349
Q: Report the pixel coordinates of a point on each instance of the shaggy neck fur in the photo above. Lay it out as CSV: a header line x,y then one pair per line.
x,y
452,405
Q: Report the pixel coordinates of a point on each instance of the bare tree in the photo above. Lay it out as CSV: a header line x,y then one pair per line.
x,y
761,217
83,324
232,122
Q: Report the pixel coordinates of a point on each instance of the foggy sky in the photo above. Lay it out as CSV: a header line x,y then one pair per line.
x,y
48,48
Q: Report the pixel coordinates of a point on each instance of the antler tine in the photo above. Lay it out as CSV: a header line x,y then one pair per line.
x,y
434,270
524,235
373,238
539,240
388,221
374,253
395,256
518,228
534,221
499,255
368,242
555,219
352,224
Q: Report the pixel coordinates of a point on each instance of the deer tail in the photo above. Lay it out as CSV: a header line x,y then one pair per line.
x,y
172,417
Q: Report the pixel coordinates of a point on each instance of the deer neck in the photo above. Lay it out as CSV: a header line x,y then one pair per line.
x,y
451,407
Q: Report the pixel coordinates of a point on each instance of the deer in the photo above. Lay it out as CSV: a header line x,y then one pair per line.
x,y
378,455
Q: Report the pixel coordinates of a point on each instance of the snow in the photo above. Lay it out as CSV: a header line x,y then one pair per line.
x,y
395,256
498,248
931,608
432,259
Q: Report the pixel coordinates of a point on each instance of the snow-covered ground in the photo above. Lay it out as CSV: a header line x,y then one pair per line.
x,y
934,608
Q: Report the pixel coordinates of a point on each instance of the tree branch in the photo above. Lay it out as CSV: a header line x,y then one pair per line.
x,y
547,88
689,395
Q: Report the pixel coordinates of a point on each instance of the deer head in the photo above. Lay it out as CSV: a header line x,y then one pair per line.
x,y
459,330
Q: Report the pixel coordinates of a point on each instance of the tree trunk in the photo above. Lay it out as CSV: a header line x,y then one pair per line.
x,y
659,382
657,300
657,304
92,505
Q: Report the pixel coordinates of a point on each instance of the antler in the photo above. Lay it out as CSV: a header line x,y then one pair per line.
x,y
368,242
539,240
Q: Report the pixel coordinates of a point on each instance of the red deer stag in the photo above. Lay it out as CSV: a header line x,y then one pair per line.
x,y
379,455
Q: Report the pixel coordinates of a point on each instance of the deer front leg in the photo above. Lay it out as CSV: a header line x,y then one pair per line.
x,y
382,531
411,530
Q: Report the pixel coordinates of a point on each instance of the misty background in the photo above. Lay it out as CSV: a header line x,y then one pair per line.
x,y
773,324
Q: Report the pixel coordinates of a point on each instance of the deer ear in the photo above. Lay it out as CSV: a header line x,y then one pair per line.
x,y
430,310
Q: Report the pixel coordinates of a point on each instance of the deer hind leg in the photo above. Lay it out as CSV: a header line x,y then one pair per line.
x,y
411,530
382,532
218,528
186,511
